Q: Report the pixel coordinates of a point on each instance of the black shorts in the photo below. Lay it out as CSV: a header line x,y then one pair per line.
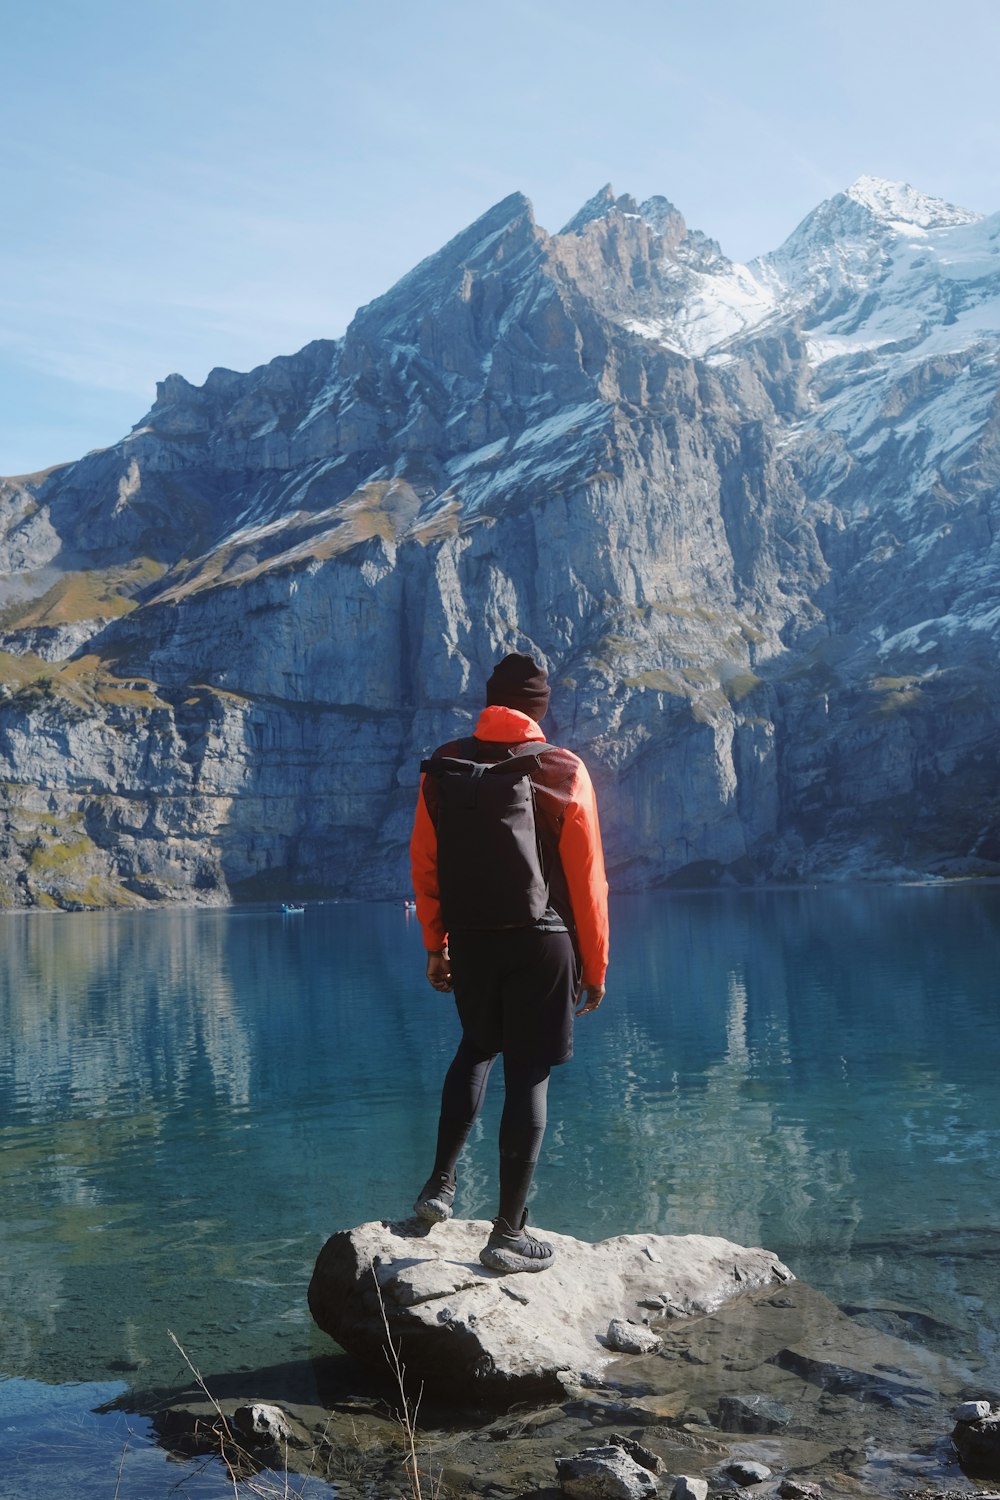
x,y
515,990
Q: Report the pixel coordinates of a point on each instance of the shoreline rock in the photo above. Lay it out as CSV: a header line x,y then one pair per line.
x,y
976,1436
500,1338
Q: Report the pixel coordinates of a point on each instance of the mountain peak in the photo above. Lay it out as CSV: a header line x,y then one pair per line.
x,y
872,211
899,203
594,208
657,213
511,221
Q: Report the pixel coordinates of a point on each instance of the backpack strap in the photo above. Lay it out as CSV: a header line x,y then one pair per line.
x,y
472,749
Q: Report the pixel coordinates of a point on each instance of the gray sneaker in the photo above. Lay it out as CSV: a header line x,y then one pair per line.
x,y
509,1249
436,1199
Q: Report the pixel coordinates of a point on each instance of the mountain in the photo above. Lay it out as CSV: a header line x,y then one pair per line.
x,y
746,515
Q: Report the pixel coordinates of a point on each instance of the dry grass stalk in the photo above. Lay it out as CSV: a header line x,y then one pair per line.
x,y
242,1467
407,1415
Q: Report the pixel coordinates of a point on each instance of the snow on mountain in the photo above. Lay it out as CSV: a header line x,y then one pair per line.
x,y
845,240
877,267
883,265
656,277
719,303
904,207
896,299
749,515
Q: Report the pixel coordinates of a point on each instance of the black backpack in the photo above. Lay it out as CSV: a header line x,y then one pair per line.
x,y
491,866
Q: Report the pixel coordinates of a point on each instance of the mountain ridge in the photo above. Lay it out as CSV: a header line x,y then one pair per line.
x,y
730,507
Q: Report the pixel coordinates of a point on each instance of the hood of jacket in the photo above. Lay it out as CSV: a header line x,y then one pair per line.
x,y
507,726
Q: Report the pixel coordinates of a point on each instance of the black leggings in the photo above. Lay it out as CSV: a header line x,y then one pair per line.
x,y
522,1124
526,1086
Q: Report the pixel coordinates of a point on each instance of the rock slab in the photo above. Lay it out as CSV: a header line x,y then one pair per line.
x,y
490,1338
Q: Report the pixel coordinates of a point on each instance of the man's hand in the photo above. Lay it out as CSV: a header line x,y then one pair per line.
x,y
439,971
588,998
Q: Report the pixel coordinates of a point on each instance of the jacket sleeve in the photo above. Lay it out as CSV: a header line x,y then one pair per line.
x,y
582,857
423,868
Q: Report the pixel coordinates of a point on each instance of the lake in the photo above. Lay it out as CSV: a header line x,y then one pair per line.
x,y
191,1102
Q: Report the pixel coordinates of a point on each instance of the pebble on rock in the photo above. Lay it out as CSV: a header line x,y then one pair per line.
x,y
632,1338
972,1411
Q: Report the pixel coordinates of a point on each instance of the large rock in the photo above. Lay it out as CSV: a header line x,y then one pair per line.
x,y
465,1329
978,1443
607,1473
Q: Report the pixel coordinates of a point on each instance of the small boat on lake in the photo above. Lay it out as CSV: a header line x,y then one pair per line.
x,y
291,911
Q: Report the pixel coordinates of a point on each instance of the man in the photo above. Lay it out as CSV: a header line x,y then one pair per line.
x,y
517,986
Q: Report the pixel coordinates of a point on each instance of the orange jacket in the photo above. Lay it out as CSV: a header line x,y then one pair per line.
x,y
580,852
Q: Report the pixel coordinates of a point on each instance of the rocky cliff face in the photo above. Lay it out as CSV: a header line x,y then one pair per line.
x,y
746,515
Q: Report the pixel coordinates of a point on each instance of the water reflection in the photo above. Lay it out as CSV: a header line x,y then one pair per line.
x,y
813,1071
114,1007
190,1102
167,1111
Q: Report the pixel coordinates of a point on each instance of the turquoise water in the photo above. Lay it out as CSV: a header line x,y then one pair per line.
x,y
191,1102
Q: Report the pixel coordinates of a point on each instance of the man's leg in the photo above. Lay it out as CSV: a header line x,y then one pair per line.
x,y
461,1100
522,1128
510,1247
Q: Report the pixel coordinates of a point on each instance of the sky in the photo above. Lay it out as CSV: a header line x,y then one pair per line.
x,y
216,182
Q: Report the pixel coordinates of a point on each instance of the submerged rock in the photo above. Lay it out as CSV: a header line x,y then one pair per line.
x,y
463,1328
752,1414
744,1471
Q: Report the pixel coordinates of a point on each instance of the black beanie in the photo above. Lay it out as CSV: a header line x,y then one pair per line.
x,y
519,682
